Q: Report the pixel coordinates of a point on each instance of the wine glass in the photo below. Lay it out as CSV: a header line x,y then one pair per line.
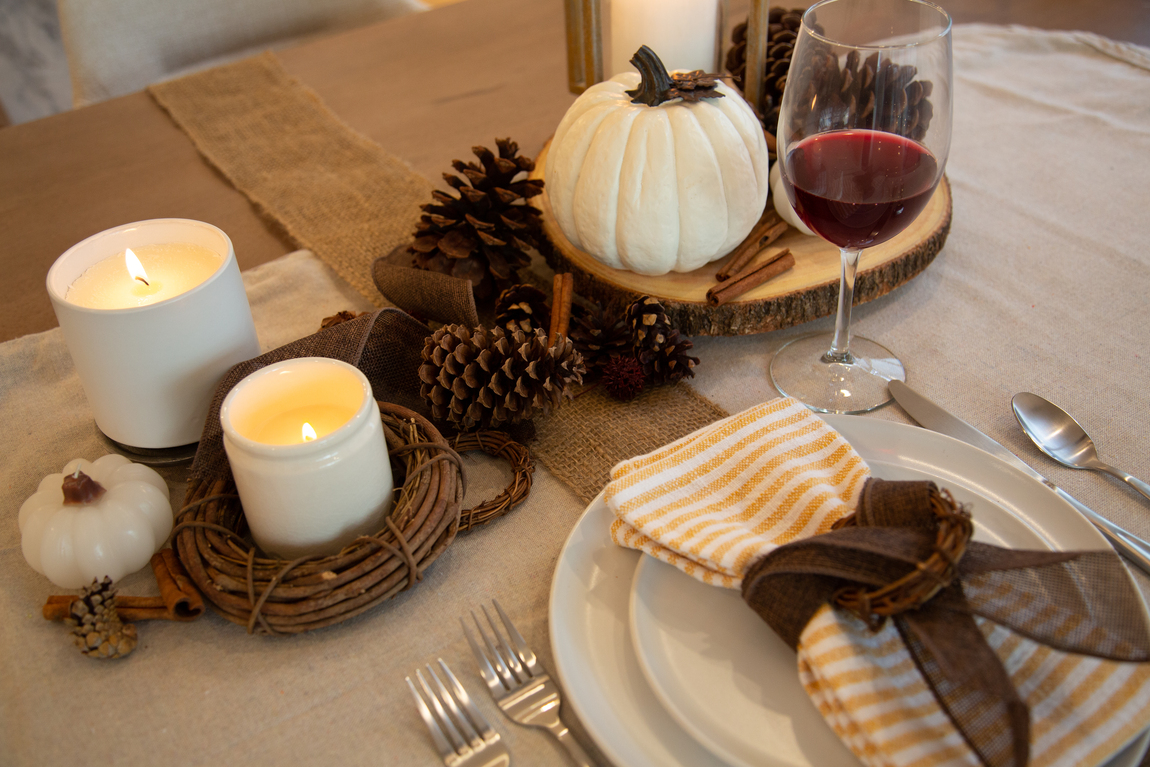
x,y
864,131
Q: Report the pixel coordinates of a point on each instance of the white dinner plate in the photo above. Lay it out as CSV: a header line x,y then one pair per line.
x,y
764,718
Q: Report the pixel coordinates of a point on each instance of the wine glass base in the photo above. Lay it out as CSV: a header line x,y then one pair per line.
x,y
801,370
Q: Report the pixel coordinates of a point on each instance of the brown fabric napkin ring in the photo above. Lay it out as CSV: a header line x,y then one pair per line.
x,y
881,560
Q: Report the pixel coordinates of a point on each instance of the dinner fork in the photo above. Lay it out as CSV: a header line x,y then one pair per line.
x,y
464,738
521,687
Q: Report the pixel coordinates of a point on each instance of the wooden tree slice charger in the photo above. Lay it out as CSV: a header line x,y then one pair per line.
x,y
806,292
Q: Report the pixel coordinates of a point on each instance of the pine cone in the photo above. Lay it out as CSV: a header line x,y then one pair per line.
x,y
488,378
598,335
669,362
782,29
904,106
339,318
858,87
648,324
484,234
659,348
96,626
522,307
623,377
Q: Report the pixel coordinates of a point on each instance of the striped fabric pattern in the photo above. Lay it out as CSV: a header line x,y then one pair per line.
x,y
866,686
716,500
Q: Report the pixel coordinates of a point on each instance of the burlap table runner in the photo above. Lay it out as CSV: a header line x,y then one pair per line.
x,y
351,203
332,190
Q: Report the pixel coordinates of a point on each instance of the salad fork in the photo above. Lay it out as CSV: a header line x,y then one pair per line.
x,y
519,684
464,738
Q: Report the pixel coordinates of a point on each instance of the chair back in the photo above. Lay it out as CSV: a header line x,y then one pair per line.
x,y
116,47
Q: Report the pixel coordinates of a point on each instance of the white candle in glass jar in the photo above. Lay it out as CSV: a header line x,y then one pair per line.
x,y
683,33
150,371
306,448
147,275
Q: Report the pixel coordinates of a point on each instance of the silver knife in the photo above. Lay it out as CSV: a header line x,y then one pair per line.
x,y
933,417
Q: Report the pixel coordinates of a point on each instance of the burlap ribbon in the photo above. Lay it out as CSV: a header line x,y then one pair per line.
x,y
385,345
1078,601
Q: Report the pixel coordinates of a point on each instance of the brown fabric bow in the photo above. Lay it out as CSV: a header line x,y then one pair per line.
x,y
1077,601
385,345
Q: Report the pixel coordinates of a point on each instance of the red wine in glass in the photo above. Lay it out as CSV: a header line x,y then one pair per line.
x,y
858,188
863,137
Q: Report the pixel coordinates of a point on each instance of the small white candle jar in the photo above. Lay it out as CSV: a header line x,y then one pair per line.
x,y
149,372
307,495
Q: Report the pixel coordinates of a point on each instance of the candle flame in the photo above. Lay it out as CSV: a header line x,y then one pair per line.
x,y
135,268
308,432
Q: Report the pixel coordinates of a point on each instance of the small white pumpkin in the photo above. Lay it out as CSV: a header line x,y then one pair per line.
x,y
783,203
113,534
661,188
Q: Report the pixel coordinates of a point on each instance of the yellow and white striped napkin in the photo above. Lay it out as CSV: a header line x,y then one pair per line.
x,y
866,686
716,500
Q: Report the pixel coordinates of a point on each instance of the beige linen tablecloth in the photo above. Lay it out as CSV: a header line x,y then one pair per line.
x,y
1042,286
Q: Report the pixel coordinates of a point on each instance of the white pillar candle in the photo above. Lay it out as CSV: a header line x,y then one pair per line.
x,y
149,371
307,492
683,33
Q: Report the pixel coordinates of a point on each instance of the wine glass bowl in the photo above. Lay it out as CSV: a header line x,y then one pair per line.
x,y
863,136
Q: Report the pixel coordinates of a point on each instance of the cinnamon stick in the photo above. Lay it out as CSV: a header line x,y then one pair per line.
x,y
178,601
556,302
769,229
563,293
751,277
180,596
568,298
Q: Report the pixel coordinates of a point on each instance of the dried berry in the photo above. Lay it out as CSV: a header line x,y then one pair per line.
x,y
623,378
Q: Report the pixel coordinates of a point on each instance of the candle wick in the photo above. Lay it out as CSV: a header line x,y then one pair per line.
x,y
141,279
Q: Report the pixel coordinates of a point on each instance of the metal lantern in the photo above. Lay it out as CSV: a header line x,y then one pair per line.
x,y
585,44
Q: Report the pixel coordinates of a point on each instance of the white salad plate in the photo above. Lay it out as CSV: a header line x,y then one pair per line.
x,y
666,671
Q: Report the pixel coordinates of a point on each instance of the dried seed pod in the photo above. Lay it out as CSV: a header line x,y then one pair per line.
x,y
623,378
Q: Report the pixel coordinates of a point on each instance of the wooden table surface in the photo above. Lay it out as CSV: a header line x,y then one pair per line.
x,y
426,87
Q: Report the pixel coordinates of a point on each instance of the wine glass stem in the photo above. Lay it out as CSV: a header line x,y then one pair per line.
x,y
840,346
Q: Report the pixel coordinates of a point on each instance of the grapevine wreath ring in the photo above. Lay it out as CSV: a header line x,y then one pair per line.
x,y
498,445
280,597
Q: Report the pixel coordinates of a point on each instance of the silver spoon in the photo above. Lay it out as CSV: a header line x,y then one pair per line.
x,y
1061,437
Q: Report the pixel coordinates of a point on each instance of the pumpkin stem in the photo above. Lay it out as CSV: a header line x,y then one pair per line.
x,y
656,85
79,489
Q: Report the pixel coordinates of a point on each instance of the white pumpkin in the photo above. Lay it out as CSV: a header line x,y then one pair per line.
x,y
783,203
655,189
114,535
